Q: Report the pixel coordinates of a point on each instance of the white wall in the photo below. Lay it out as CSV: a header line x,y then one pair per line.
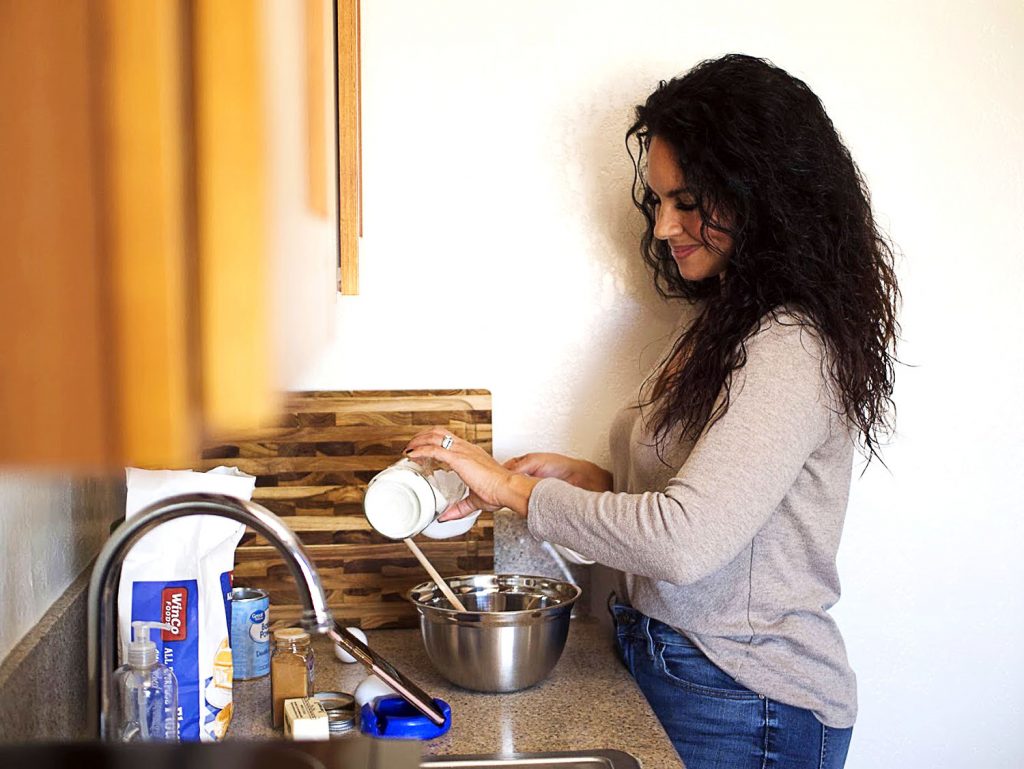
x,y
50,528
500,252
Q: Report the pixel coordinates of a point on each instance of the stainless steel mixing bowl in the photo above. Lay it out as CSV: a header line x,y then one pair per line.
x,y
510,636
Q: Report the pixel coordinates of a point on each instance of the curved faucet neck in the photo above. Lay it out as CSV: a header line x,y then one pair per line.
x,y
102,602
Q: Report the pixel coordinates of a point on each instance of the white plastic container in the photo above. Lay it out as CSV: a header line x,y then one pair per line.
x,y
406,498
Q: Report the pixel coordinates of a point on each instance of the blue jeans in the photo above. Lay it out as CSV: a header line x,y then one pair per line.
x,y
714,722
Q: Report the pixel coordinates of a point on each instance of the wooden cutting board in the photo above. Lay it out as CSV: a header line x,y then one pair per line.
x,y
312,468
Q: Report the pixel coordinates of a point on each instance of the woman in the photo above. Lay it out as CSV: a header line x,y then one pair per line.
x,y
729,481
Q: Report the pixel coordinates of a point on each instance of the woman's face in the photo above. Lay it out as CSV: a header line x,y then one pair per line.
x,y
677,220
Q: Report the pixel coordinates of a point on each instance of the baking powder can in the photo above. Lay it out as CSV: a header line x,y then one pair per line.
x,y
250,633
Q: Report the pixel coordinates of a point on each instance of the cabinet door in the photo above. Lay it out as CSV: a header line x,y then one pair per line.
x,y
266,201
146,214
134,225
55,332
234,211
301,172
166,268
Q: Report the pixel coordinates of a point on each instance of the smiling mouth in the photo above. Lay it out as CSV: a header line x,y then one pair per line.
x,y
681,252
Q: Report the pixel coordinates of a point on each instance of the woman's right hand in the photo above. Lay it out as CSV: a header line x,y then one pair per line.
x,y
578,472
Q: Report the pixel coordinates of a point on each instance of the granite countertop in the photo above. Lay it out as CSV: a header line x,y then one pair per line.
x,y
588,702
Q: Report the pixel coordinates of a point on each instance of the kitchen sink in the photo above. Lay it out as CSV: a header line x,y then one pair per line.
x,y
355,752
574,759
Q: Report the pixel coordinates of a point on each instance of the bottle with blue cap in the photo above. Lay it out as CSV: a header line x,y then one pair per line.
x,y
145,692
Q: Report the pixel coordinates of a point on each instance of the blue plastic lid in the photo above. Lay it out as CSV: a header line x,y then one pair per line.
x,y
394,717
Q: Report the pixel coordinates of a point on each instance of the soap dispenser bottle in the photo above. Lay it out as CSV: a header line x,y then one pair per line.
x,y
145,692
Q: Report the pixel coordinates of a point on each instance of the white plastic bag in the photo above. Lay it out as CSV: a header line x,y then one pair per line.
x,y
180,573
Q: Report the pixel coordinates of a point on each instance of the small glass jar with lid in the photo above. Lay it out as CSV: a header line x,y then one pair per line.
x,y
291,668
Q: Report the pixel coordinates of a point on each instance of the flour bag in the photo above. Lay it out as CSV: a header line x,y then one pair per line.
x,y
180,573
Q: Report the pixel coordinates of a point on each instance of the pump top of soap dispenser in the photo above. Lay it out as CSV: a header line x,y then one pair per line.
x,y
142,650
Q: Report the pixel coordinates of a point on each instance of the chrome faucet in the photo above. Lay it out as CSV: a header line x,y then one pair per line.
x,y
102,609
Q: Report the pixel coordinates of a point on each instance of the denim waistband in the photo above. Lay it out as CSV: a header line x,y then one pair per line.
x,y
627,619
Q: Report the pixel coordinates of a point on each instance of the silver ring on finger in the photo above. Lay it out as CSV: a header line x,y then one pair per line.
x,y
446,442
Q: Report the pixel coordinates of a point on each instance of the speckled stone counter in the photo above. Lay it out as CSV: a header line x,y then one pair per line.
x,y
588,701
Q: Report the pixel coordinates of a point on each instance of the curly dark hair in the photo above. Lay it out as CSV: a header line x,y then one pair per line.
x,y
755,142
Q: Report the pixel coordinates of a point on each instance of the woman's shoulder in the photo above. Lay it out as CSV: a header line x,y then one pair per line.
x,y
787,346
791,331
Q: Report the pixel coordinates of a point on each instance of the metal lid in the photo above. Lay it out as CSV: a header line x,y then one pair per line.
x,y
247,594
291,634
341,710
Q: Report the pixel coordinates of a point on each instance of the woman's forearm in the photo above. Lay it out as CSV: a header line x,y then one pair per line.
x,y
516,494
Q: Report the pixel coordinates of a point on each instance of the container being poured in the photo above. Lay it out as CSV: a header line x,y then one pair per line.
x,y
405,499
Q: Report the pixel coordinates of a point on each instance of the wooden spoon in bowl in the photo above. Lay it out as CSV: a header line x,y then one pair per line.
x,y
434,575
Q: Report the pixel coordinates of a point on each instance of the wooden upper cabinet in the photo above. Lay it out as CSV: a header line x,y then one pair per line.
x,y
165,271
53,325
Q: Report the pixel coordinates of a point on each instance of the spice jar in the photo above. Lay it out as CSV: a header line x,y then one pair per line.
x,y
291,669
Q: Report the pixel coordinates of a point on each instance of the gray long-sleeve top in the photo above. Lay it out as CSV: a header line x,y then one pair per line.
x,y
734,542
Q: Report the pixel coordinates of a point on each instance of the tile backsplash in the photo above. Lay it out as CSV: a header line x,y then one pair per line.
x,y
517,551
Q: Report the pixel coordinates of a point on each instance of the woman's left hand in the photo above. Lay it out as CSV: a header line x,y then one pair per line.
x,y
491,486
